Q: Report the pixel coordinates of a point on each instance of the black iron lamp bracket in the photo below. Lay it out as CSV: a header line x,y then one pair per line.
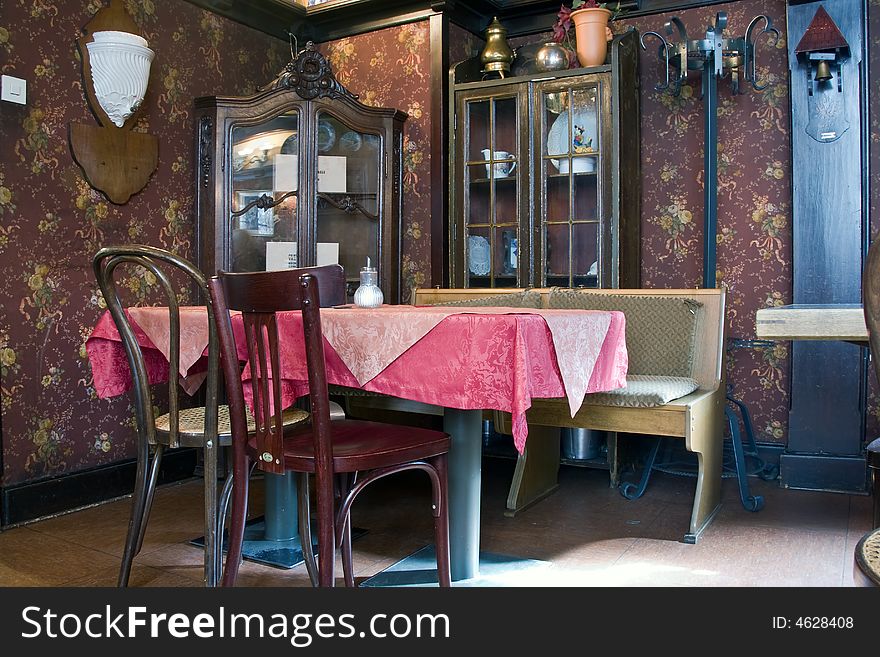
x,y
714,55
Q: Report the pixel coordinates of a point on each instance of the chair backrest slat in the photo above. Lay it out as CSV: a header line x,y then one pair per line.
x,y
259,296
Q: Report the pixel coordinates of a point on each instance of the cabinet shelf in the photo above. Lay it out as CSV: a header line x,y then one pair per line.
x,y
483,181
576,174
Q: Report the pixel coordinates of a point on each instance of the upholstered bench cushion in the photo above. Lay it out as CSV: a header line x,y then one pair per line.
x,y
645,390
524,299
660,331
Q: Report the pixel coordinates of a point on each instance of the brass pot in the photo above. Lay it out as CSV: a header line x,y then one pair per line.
x,y
551,56
497,54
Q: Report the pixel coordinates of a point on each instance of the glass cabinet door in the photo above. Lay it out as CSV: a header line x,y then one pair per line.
x,y
492,191
263,201
570,184
349,180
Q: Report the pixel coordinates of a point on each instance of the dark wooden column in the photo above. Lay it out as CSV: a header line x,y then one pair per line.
x,y
829,207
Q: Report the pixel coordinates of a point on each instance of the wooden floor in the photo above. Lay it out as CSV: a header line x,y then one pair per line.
x,y
589,534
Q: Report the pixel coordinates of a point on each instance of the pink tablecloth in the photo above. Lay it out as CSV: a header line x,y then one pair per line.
x,y
473,359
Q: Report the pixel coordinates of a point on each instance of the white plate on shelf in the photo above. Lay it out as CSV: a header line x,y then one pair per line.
x,y
578,138
351,142
326,135
291,144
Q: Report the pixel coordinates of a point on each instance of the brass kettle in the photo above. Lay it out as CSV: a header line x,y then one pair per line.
x,y
497,54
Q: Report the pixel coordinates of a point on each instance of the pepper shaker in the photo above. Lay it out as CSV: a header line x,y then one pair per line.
x,y
368,294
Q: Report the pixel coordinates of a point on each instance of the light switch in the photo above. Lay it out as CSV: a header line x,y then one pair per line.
x,y
14,90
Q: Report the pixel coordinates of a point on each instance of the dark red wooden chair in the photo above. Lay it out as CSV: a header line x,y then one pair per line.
x,y
345,456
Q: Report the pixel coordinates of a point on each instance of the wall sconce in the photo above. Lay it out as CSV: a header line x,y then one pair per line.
x,y
116,70
120,69
821,52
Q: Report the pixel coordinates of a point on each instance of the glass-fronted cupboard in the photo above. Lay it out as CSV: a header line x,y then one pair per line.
x,y
297,175
545,172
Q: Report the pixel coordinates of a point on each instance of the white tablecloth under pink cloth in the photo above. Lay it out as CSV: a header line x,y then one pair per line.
x,y
466,358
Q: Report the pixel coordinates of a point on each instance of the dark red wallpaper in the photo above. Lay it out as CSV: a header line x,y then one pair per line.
x,y
51,222
754,198
392,68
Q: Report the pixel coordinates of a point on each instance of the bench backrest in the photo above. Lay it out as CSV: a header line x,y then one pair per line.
x,y
709,339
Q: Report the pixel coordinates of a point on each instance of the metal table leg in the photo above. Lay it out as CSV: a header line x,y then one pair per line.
x,y
465,428
280,518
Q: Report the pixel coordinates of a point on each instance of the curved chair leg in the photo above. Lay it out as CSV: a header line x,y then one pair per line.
x,y
223,510
441,520
142,500
236,532
226,495
346,481
767,472
151,490
347,565
305,527
212,537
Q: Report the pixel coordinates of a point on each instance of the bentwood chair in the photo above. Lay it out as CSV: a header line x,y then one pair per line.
x,y
867,554
344,456
205,427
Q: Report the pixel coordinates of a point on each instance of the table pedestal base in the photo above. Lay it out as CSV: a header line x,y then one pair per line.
x,y
420,569
257,548
279,554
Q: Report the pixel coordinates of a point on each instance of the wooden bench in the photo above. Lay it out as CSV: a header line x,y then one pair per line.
x,y
697,418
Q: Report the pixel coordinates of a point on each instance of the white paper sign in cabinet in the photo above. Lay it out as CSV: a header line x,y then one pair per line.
x,y
331,174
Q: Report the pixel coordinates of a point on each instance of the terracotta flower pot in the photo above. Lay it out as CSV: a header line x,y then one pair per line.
x,y
591,34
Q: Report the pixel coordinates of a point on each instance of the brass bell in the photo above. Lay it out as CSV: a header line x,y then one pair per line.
x,y
823,71
497,54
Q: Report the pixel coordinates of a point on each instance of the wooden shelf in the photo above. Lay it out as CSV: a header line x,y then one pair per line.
x,y
483,181
576,174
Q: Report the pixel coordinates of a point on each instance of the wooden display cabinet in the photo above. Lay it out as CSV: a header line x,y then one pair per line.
x,y
545,176
299,174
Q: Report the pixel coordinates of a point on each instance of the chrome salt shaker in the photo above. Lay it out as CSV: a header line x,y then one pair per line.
x,y
368,294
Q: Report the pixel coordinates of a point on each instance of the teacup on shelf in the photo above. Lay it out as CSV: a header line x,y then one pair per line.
x,y
502,169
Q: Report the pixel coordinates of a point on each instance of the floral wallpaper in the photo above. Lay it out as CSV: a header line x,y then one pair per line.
x,y
392,68
754,199
52,222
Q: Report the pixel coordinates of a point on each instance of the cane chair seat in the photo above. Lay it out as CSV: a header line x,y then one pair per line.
x,y
868,559
192,423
